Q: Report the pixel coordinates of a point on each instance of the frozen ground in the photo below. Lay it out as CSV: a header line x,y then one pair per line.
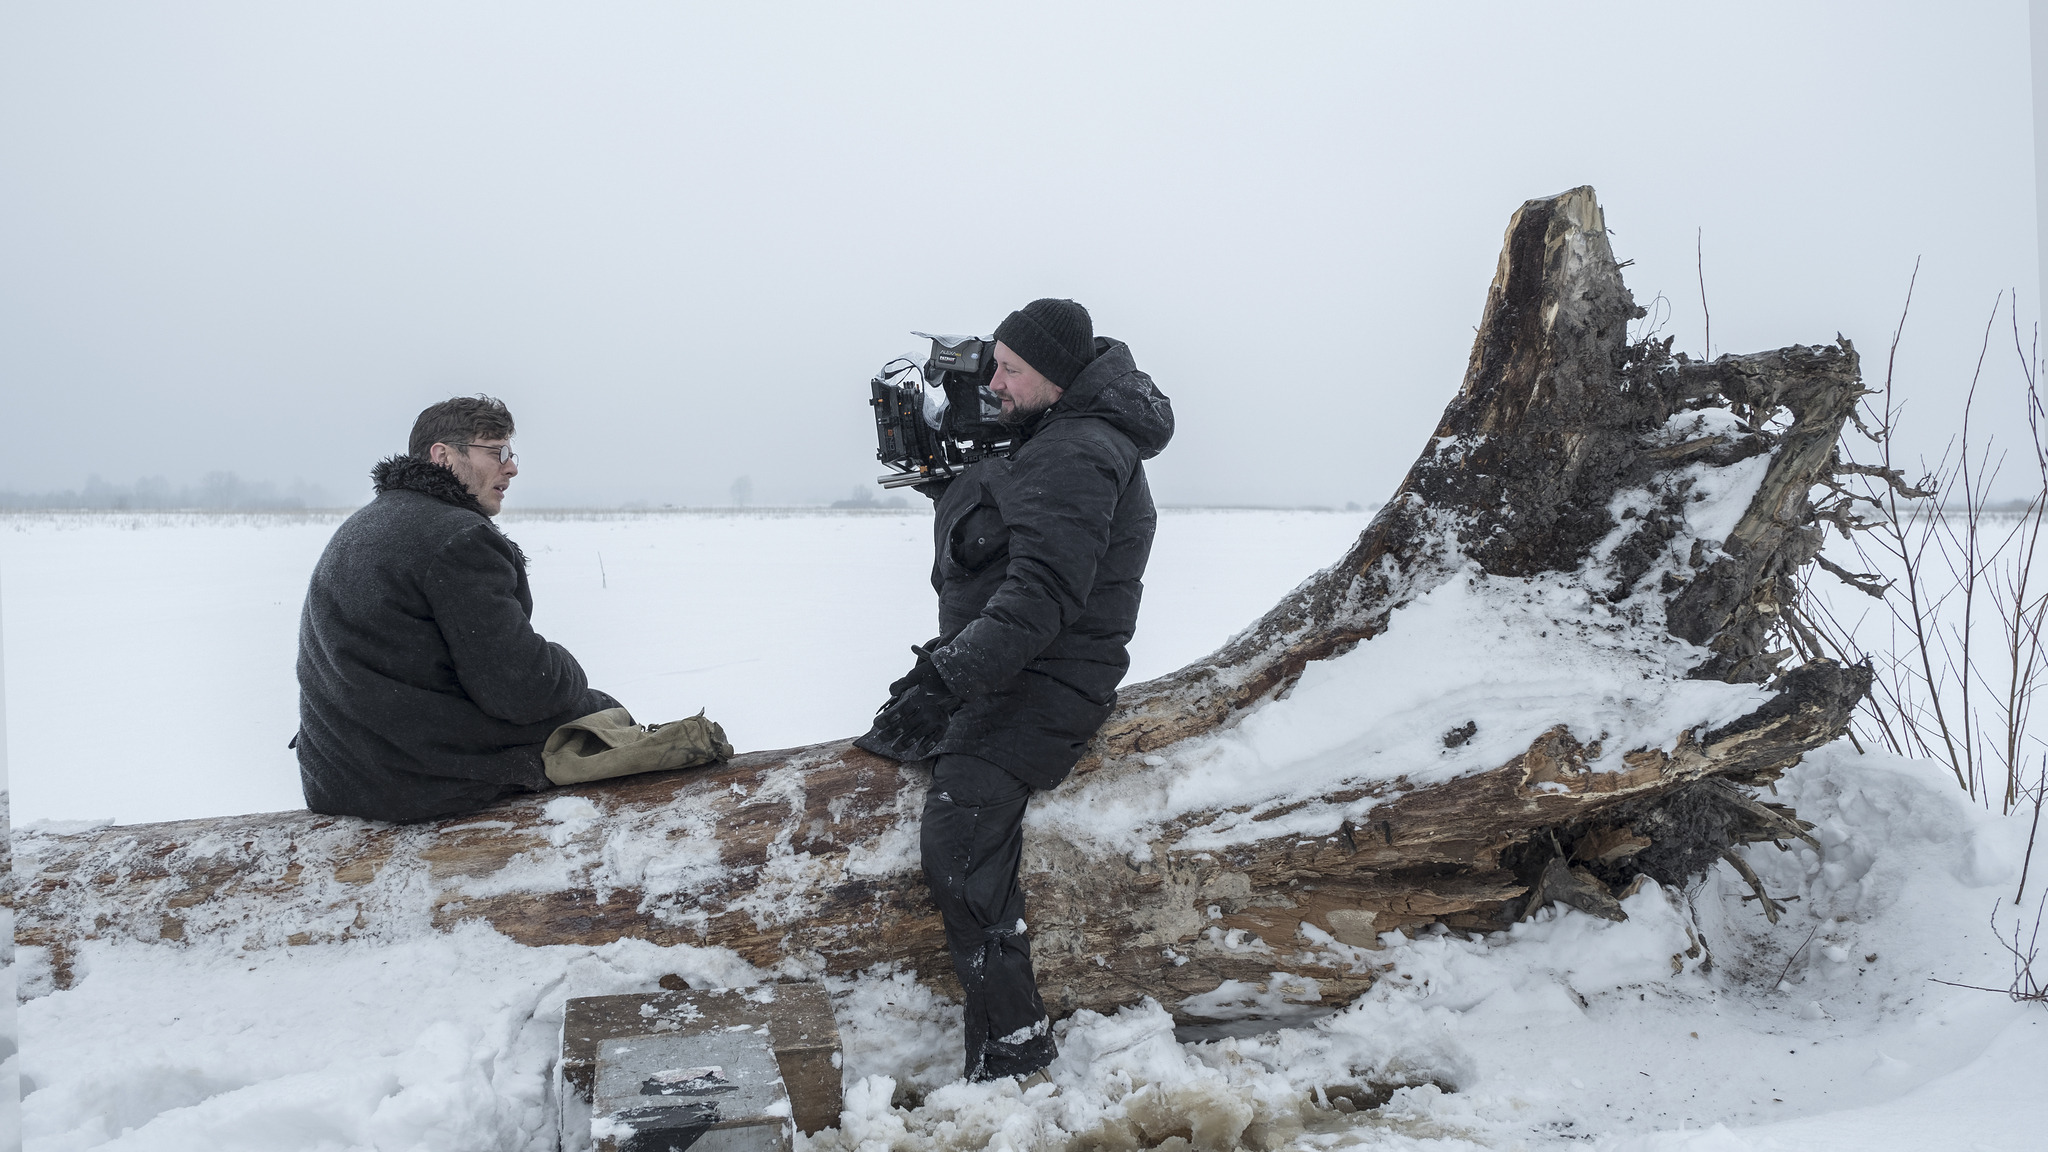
x,y
149,656
1693,1025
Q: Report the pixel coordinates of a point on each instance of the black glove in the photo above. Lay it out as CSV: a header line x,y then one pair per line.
x,y
923,674
913,721
910,726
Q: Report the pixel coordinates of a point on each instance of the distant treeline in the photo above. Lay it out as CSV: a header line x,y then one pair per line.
x,y
216,490
864,497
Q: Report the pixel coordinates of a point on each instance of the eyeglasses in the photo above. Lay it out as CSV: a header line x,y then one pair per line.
x,y
503,452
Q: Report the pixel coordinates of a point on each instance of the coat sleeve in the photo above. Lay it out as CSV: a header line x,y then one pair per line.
x,y
505,667
1059,504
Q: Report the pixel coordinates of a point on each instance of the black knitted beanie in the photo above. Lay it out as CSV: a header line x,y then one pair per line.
x,y
1056,337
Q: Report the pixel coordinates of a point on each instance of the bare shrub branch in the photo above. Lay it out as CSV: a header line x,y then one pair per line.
x,y
1965,621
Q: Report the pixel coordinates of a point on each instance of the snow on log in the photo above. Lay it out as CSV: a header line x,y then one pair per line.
x,y
1530,680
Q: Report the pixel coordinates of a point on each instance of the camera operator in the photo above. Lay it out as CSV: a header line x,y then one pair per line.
x,y
1038,567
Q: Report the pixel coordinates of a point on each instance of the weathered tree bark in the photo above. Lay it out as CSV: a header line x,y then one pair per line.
x,y
805,860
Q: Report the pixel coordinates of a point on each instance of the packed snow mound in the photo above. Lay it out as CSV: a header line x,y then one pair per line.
x,y
1692,1025
1500,660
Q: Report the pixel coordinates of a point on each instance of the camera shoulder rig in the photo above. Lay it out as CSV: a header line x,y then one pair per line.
x,y
931,423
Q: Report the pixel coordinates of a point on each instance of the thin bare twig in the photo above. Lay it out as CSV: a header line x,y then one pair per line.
x,y
1794,957
1700,265
2040,789
2025,987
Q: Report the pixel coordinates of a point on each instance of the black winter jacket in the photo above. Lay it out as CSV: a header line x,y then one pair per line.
x,y
1039,566
423,689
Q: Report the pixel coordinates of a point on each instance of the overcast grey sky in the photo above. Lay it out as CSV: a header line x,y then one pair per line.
x,y
677,239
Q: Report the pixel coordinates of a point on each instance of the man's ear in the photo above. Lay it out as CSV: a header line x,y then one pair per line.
x,y
440,454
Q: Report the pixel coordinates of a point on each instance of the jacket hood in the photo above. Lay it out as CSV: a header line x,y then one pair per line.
x,y
415,474
1112,388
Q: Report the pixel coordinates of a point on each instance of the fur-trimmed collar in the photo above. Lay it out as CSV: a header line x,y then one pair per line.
x,y
417,474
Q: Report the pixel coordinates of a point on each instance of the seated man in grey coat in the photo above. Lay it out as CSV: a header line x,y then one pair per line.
x,y
423,689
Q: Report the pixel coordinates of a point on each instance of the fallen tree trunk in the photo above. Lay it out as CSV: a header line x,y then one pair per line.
x,y
1565,457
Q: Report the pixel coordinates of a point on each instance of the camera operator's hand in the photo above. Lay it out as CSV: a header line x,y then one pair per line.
x,y
913,721
923,674
911,726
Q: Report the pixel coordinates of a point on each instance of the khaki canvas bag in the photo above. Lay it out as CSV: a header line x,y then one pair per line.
x,y
608,743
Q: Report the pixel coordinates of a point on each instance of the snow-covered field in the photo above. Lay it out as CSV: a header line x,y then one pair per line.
x,y
149,656
149,676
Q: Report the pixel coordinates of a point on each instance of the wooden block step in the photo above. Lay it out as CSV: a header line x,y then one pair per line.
x,y
800,1034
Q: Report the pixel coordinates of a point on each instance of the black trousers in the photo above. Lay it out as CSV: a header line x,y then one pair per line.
x,y
973,843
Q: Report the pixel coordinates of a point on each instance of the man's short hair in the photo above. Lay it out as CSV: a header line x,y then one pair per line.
x,y
462,420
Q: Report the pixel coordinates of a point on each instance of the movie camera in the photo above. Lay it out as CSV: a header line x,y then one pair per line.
x,y
933,421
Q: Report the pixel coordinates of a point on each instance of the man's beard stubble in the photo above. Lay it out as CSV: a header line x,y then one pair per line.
x,y
477,481
1019,415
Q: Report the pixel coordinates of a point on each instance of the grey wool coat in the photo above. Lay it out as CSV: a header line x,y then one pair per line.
x,y
423,689
1039,566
